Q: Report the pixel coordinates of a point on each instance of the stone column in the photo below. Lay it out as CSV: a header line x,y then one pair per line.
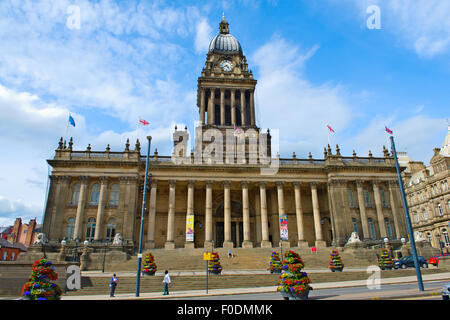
x,y
316,212
258,216
208,217
281,211
302,243
362,210
233,107
222,106
190,208
252,107
227,215
131,214
393,196
265,243
54,189
101,208
247,243
211,107
55,229
379,207
150,244
243,118
78,233
202,106
170,244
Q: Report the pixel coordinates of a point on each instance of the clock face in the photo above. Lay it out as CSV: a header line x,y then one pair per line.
x,y
226,65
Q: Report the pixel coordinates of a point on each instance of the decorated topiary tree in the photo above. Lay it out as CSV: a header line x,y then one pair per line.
x,y
149,266
214,264
275,263
39,286
335,262
385,260
293,284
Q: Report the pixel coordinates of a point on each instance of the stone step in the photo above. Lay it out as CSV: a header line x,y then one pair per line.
x,y
244,259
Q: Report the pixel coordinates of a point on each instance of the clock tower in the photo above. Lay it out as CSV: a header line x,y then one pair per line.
x,y
225,95
226,91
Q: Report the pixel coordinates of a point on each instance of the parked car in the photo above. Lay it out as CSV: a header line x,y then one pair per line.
x,y
408,261
446,291
434,261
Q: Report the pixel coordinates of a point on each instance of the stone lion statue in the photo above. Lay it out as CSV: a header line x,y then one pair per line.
x,y
418,236
353,238
40,239
118,240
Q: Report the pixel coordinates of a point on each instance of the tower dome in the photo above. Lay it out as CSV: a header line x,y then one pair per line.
x,y
224,42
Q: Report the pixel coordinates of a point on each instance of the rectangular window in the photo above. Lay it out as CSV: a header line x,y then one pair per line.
x,y
366,197
350,198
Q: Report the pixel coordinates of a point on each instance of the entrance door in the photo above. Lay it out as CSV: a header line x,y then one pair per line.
x,y
219,234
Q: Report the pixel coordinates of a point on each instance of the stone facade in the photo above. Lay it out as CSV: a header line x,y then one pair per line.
x,y
428,196
96,194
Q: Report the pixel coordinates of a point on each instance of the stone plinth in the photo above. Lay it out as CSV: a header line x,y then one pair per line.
x,y
247,244
169,245
190,245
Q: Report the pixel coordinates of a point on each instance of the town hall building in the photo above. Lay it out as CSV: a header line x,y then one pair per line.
x,y
218,194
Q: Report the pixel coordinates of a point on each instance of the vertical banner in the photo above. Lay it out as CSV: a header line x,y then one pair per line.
x,y
189,228
283,228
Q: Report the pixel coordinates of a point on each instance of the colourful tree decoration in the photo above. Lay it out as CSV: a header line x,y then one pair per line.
x,y
214,264
39,286
293,284
335,262
275,263
385,260
149,266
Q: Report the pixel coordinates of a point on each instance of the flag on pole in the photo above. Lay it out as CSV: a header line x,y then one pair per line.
x,y
71,121
330,128
143,122
388,130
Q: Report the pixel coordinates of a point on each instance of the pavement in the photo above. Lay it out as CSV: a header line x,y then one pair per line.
x,y
375,295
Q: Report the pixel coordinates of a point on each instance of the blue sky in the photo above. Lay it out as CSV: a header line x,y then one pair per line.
x,y
315,61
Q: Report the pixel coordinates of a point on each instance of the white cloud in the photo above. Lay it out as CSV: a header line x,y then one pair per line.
x,y
421,25
288,101
203,36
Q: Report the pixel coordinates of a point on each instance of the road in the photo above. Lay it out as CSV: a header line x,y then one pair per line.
x,y
339,293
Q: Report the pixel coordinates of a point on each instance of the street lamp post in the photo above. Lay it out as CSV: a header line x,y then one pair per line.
x,y
408,219
138,274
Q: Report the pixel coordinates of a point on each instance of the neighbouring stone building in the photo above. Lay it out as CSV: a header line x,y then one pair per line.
x,y
428,196
94,195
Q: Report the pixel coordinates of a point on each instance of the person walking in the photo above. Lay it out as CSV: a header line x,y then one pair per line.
x,y
166,282
113,285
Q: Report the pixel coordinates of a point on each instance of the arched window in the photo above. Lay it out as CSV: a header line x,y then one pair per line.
x,y
371,228
75,194
70,227
446,238
95,193
90,229
13,255
387,223
111,230
5,255
114,195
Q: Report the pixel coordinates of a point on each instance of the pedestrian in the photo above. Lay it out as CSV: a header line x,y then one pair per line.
x,y
230,253
113,285
166,282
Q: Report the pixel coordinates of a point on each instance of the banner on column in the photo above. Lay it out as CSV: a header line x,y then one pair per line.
x,y
283,228
189,227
